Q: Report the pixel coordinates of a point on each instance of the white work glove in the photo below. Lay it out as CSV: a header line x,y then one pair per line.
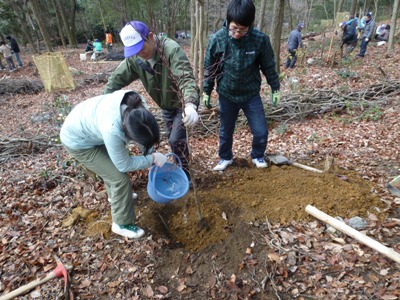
x,y
190,116
366,39
159,159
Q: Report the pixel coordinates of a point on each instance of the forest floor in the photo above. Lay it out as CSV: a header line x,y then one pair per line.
x,y
259,242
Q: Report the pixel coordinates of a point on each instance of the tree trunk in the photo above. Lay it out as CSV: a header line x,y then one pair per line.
x,y
201,44
72,24
395,12
70,30
103,21
340,6
36,9
353,8
290,15
308,13
217,19
261,15
121,7
59,23
192,26
376,9
207,19
196,40
171,7
24,12
276,30
365,7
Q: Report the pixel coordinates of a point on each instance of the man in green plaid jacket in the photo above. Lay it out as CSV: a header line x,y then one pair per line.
x,y
235,56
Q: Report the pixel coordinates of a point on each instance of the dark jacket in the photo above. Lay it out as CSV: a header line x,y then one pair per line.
x,y
294,40
349,35
14,45
236,64
89,47
352,24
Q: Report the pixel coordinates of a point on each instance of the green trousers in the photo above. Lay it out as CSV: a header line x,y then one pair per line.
x,y
118,185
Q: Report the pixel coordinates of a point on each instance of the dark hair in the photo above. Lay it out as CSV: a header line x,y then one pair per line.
x,y
242,12
107,31
8,37
387,27
138,123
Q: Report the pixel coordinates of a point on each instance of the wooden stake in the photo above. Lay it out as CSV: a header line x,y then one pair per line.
x,y
359,236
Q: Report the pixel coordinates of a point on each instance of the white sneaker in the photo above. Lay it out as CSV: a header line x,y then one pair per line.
x,y
134,197
260,162
129,231
223,164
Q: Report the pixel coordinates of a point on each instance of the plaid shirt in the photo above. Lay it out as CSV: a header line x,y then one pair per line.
x,y
236,63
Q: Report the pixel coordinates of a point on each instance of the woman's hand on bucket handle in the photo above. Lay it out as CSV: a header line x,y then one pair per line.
x,y
159,159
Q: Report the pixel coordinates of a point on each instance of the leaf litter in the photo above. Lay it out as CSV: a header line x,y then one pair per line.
x,y
260,245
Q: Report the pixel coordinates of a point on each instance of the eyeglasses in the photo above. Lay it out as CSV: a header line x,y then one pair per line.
x,y
241,32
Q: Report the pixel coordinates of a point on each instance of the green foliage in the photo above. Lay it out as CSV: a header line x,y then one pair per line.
x,y
282,128
62,106
373,113
8,18
346,73
313,138
365,112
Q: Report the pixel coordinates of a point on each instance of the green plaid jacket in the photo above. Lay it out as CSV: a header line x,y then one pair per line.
x,y
236,64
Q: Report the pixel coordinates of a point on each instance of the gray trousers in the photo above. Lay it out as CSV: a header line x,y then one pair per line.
x,y
10,63
118,185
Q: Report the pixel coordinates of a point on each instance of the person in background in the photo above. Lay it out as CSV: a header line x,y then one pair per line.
x,y
89,46
360,26
383,35
379,30
15,48
109,41
294,42
96,133
349,38
234,57
6,51
2,67
367,34
165,71
352,24
98,48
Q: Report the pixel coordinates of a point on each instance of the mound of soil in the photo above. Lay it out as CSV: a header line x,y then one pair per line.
x,y
244,194
236,205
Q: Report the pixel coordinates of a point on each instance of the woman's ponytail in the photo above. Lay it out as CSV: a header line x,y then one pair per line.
x,y
138,123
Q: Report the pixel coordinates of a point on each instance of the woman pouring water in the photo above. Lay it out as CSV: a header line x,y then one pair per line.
x,y
96,133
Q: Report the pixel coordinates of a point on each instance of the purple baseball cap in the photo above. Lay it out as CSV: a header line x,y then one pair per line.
x,y
133,36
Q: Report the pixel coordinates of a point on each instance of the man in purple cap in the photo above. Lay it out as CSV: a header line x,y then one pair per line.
x,y
167,76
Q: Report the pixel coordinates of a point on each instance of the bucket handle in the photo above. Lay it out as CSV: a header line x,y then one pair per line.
x,y
167,155
177,158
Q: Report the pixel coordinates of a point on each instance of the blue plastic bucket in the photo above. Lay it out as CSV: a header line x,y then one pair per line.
x,y
167,183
